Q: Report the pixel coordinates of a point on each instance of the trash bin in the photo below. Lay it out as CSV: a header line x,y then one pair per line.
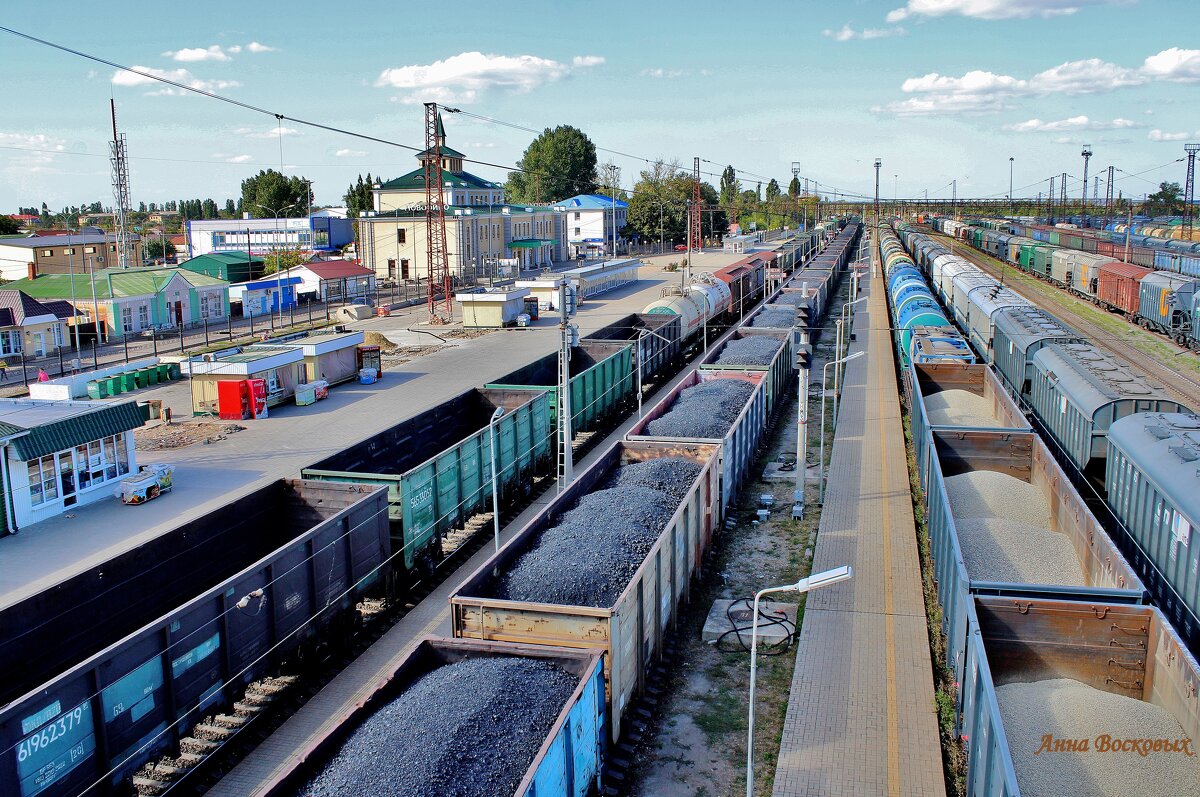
x,y
140,379
164,372
97,389
173,370
116,385
151,375
130,378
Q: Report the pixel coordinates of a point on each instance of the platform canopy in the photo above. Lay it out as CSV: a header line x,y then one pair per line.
x,y
531,243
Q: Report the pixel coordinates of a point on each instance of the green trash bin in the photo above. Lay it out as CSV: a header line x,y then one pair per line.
x,y
139,378
116,385
173,370
130,378
97,388
151,375
164,372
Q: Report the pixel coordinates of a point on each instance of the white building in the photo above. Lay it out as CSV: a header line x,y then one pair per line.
x,y
317,233
591,221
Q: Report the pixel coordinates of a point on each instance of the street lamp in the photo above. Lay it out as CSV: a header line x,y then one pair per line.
x,y
824,391
277,212
823,579
495,490
1010,181
842,322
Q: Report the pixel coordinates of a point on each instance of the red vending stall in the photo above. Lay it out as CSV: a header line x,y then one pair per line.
x,y
233,402
257,389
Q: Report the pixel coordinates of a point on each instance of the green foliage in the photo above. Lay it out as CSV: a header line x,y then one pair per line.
x,y
358,196
794,187
661,195
559,163
1167,201
9,225
773,190
269,193
282,259
731,187
153,248
230,209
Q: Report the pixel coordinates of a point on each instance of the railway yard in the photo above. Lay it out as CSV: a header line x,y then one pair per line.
x,y
408,567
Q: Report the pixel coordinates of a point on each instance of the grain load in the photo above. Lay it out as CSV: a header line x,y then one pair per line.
x,y
960,408
996,549
705,411
1067,709
468,729
754,350
986,493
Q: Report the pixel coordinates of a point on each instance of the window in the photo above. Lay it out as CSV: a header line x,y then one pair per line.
x,y
577,215
10,342
301,374
43,480
70,251
204,305
127,319
577,231
47,253
89,250
112,247
400,235
144,315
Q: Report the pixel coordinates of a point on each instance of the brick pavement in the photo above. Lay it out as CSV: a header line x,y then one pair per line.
x,y
861,718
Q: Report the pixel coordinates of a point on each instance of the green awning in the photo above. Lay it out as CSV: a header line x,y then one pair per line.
x,y
531,243
70,432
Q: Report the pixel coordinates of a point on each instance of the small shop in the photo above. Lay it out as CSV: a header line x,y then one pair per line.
x,y
62,454
329,358
281,368
492,309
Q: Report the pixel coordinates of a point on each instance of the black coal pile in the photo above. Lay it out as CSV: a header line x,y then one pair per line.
x,y
775,317
589,557
752,350
704,411
468,729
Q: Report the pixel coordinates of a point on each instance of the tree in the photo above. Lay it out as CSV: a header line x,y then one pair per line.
x,y
141,207
659,203
9,225
270,192
358,196
773,190
794,187
730,187
210,209
153,248
558,164
758,191
230,210
282,259
1167,201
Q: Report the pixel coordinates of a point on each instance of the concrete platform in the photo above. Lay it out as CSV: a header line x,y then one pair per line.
x,y
718,624
861,717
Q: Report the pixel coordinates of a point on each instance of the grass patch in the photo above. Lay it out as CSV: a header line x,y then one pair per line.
x,y
724,713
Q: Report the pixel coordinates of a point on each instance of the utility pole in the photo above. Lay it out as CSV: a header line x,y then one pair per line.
x,y
1108,197
954,198
1050,202
120,185
1062,192
1012,200
878,164
567,331
435,214
1087,156
695,211
1189,190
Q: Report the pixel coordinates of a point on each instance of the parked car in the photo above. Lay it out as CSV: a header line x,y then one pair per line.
x,y
680,247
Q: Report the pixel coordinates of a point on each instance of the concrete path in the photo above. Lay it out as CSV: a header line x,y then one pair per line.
x,y
861,718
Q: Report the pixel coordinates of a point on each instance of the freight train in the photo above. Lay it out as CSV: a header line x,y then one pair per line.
x,y
1031,585
1158,300
183,634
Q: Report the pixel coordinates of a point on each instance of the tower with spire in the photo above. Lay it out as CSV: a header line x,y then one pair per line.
x,y
462,188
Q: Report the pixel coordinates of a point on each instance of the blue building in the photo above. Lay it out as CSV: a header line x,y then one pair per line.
x,y
590,221
316,233
264,296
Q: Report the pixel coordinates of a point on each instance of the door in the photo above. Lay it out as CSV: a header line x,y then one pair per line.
x,y
178,312
66,478
39,344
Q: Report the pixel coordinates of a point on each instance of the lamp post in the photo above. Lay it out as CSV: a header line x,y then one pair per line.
x,y
801,433
824,390
1011,201
842,322
71,270
277,212
495,490
823,579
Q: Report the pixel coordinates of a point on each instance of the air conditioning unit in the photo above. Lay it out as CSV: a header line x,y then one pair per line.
x,y
209,358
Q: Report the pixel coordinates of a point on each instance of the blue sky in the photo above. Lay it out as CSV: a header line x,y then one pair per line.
x,y
939,89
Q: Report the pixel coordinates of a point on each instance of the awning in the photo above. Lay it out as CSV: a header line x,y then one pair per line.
x,y
531,243
70,432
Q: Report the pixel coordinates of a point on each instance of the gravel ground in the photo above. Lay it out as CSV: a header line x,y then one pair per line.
x,y
590,556
1071,710
753,350
960,408
468,729
995,549
704,411
988,494
775,317
180,435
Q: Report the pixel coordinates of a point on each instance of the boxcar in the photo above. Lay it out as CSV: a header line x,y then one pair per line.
x,y
631,631
1118,286
1154,490
1164,302
1019,333
658,336
982,305
151,642
569,762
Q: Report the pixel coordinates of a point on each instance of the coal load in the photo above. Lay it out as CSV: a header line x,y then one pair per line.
x,y
775,318
590,556
703,412
792,299
755,350
468,729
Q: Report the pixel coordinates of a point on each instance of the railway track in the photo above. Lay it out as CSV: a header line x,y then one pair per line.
x,y
1156,367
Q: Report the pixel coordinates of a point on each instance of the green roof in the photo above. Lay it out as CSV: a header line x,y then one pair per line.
x,y
124,283
104,420
415,181
226,257
451,211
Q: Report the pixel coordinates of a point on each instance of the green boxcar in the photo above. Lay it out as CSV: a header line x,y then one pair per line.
x,y
1040,259
602,381
1055,237
437,465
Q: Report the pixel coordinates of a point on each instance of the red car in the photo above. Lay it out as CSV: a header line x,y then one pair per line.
x,y
680,247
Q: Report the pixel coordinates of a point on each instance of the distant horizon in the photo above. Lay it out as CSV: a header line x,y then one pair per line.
x,y
939,91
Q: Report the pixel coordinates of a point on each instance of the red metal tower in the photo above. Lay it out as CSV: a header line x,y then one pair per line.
x,y
1189,190
435,216
696,209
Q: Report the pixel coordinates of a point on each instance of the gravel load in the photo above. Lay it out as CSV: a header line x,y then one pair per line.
x,y
468,729
960,408
1068,709
589,557
704,411
988,494
752,350
794,298
995,549
773,317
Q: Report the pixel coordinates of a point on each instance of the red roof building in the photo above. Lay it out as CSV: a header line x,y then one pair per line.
x,y
334,280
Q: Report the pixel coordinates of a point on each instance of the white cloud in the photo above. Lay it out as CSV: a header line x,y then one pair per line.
x,y
847,33
667,74
1073,123
269,132
460,78
189,54
349,153
125,78
1087,76
235,49
1159,135
994,9
1174,64
256,47
49,146
232,158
